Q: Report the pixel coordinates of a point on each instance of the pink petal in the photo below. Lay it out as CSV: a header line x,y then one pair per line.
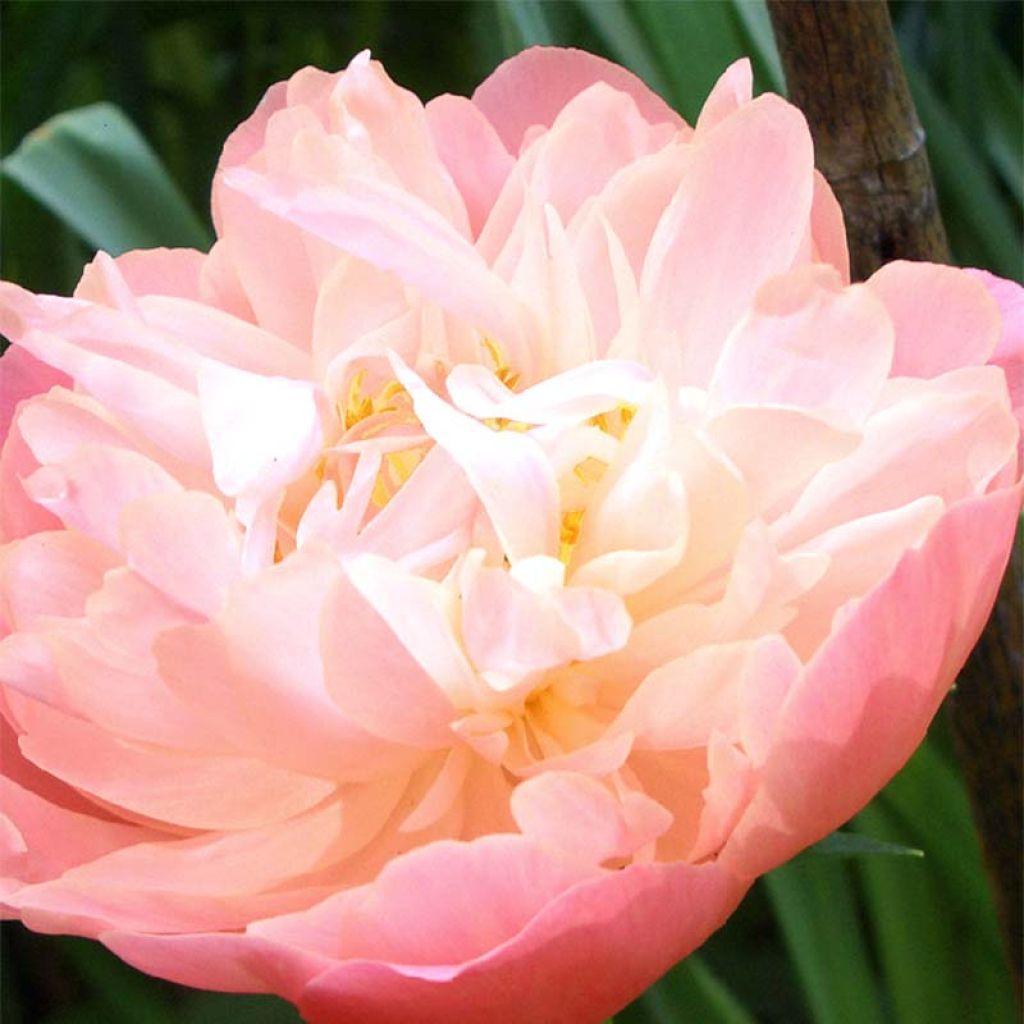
x,y
23,376
737,218
472,153
264,432
586,955
50,573
578,816
89,490
1009,353
865,700
185,545
374,677
534,85
810,344
507,469
734,88
212,791
944,319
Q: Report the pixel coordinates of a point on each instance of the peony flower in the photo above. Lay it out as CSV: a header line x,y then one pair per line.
x,y
441,600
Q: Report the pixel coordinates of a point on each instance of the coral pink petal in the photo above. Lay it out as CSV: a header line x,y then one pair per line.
x,y
864,702
533,86
56,838
440,904
224,962
213,791
943,318
586,955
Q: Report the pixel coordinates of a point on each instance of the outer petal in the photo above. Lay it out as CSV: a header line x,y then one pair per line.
x,y
1009,353
534,85
944,319
865,700
586,954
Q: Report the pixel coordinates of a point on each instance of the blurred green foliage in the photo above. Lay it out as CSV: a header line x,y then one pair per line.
x,y
855,937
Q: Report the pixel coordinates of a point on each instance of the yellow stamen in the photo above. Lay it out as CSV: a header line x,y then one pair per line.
x,y
572,523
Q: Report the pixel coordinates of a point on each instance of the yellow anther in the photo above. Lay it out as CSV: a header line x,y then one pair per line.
x,y
360,407
590,470
569,534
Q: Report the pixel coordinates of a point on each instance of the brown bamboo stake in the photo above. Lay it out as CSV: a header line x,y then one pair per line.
x,y
843,70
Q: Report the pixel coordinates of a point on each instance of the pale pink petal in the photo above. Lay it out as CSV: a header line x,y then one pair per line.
x,y
472,153
185,545
256,454
570,397
393,123
371,674
737,218
810,344
943,318
828,231
777,451
507,469
50,573
952,440
734,88
577,816
534,85
379,223
89,490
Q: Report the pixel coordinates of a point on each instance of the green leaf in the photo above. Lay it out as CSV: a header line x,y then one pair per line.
x,y
691,991
852,844
93,169
933,919
757,27
618,30
982,225
523,23
816,905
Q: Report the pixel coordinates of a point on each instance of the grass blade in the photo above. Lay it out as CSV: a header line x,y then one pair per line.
x,y
816,905
93,169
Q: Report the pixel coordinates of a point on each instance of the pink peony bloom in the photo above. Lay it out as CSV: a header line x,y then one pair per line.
x,y
441,600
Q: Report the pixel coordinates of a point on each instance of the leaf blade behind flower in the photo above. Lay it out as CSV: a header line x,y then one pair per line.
x,y
93,169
